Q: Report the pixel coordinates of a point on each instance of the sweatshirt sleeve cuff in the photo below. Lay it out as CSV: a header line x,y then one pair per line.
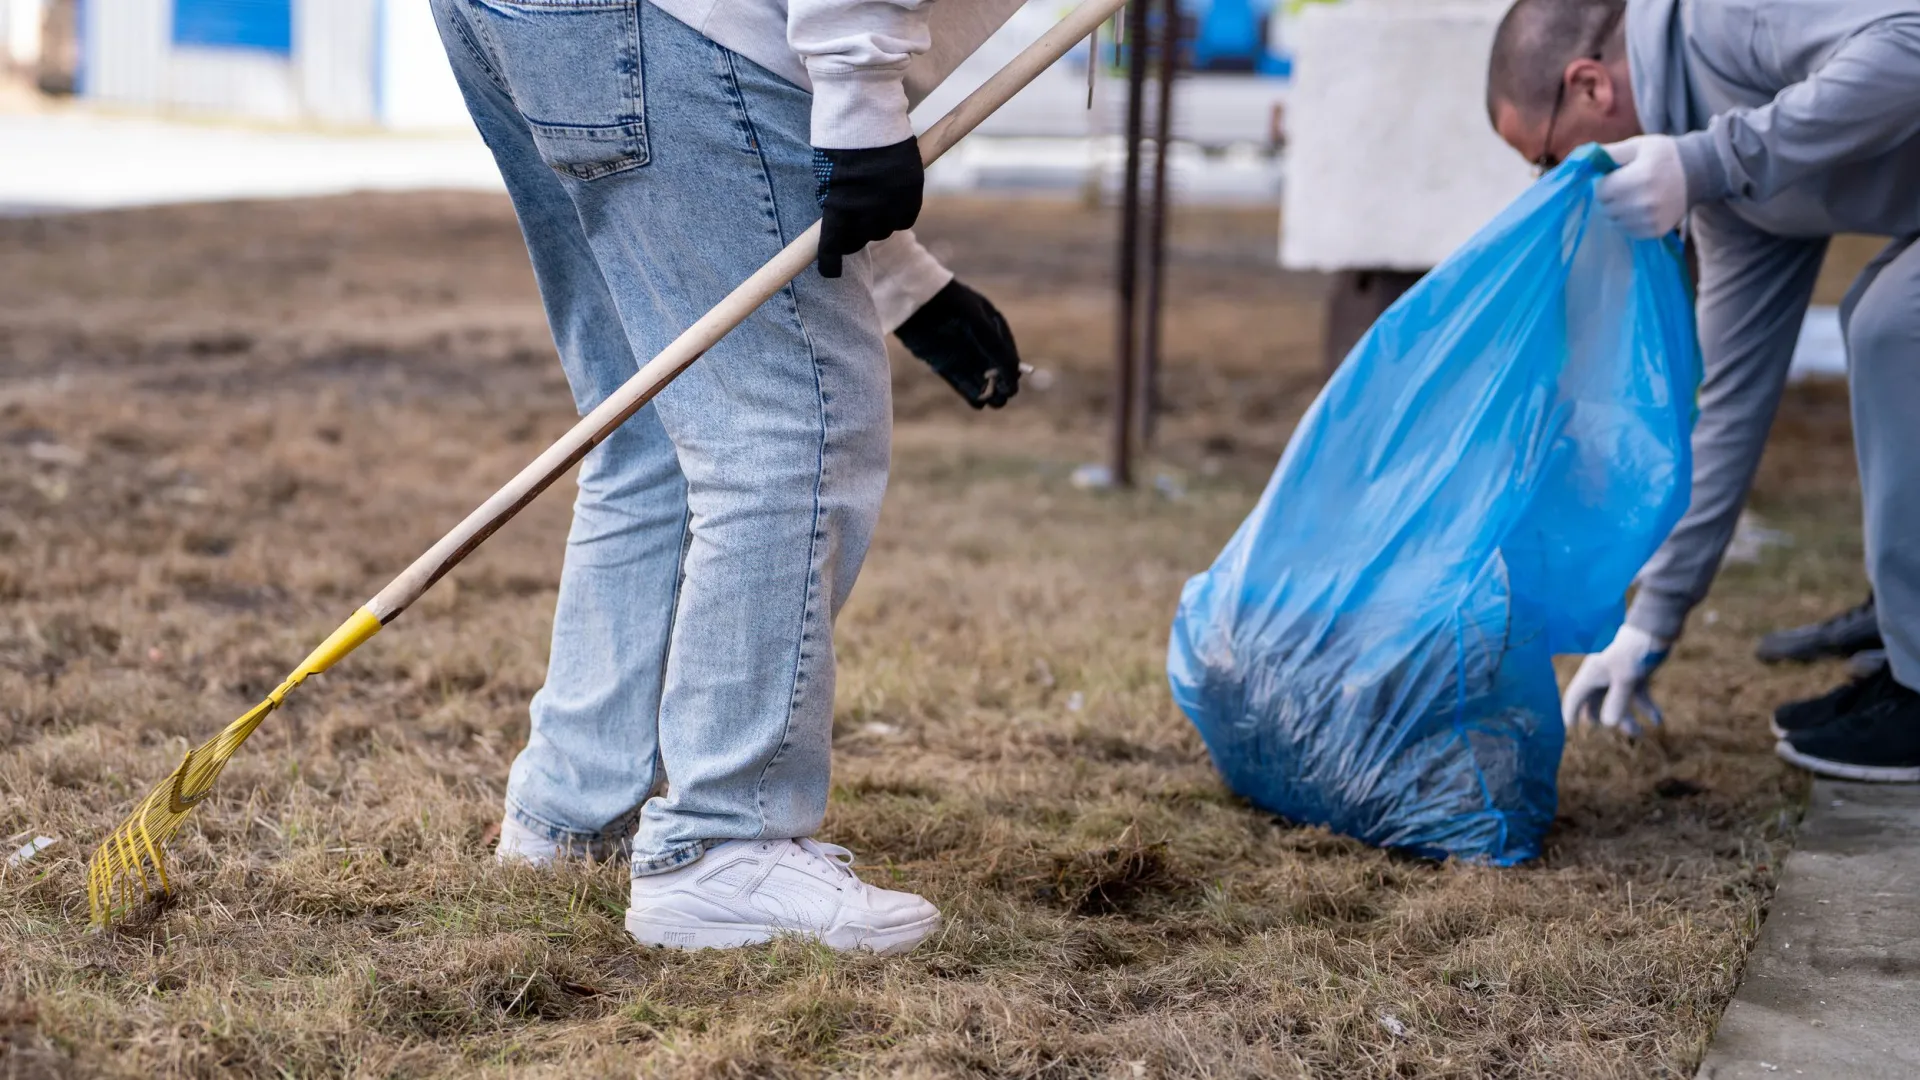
x,y
905,277
1707,179
1659,614
859,110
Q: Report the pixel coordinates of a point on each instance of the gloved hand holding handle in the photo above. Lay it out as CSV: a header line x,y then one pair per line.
x,y
865,195
1613,684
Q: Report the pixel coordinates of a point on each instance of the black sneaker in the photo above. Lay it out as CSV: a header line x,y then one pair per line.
x,y
1852,631
1876,738
1797,716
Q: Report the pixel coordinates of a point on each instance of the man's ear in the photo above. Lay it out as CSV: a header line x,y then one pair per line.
x,y
1589,80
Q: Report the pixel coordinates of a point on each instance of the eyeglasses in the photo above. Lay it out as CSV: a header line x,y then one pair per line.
x,y
1547,160
1595,51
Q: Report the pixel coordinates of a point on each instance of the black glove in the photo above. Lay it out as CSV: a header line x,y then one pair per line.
x,y
964,338
865,195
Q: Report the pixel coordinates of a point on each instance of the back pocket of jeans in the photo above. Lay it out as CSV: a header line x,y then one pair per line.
x,y
574,70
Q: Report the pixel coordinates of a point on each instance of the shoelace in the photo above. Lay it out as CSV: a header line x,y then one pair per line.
x,y
831,855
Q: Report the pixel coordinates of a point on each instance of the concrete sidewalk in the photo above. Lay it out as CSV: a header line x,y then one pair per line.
x,y
1829,989
74,159
78,159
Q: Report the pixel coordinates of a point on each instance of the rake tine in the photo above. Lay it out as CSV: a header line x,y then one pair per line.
x,y
153,852
130,856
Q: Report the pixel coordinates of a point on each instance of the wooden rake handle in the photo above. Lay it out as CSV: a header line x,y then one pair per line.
x,y
796,257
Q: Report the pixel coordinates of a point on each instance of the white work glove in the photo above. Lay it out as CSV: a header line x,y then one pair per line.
x,y
1647,195
1609,681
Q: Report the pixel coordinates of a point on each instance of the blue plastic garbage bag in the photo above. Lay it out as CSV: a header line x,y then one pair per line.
x,y
1472,493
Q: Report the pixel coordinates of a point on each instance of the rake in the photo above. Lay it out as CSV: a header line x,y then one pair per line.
x,y
131,864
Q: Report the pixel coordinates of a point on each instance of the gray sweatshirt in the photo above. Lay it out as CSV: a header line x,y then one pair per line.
x,y
1796,120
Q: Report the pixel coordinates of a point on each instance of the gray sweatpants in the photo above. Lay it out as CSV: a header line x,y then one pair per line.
x,y
1881,319
1754,291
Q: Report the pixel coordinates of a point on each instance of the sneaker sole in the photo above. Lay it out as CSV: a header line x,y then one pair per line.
x,y
1782,733
693,936
1840,770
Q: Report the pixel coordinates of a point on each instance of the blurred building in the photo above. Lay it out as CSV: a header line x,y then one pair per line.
x,y
379,63
334,62
37,43
374,65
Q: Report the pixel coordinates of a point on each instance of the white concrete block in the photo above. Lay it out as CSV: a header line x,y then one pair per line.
x,y
1391,163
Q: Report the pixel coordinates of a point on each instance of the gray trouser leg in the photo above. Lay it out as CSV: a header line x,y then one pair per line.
x,y
1882,320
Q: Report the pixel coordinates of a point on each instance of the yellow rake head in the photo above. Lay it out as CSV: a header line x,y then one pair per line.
x,y
136,846
133,855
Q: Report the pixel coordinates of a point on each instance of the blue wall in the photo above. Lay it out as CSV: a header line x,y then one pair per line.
x,y
266,25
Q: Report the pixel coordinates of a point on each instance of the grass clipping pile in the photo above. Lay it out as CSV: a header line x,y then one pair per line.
x,y
220,425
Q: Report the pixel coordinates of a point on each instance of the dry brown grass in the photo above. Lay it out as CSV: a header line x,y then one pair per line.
x,y
221,427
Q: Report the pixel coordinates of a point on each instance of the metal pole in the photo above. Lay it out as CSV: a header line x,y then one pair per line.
x,y
1126,325
1157,221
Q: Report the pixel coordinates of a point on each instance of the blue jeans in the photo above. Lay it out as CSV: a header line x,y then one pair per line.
x,y
718,532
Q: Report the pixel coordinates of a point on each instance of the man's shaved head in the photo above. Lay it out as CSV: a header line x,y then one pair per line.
x,y
1533,46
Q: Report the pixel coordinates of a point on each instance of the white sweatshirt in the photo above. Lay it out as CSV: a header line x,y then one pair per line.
x,y
867,61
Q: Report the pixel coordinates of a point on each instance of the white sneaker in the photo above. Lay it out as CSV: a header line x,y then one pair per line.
x,y
744,892
521,844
